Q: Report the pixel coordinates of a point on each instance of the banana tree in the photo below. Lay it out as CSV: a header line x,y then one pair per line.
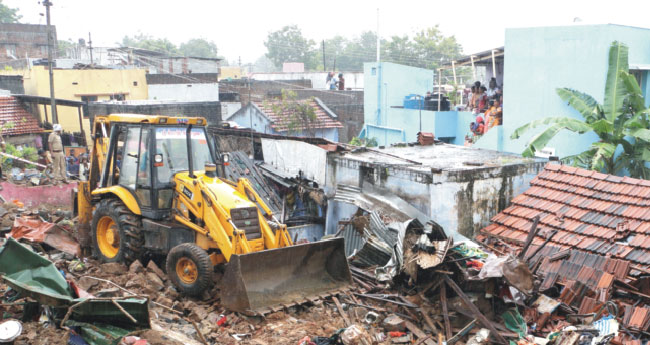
x,y
622,121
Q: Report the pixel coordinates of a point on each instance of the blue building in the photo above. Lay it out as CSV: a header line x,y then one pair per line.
x,y
540,60
387,85
535,63
264,117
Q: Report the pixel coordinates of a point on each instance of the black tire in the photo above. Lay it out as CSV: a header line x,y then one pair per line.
x,y
202,263
131,239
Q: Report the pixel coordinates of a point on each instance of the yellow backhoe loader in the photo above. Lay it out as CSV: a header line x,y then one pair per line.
x,y
156,186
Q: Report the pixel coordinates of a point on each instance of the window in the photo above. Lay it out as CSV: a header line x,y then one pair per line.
x,y
373,71
171,143
639,75
131,149
10,49
143,190
118,97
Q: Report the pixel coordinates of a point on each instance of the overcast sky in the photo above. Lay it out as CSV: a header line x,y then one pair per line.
x,y
240,27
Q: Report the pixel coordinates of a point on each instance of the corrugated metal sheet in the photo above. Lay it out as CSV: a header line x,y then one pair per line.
x,y
242,166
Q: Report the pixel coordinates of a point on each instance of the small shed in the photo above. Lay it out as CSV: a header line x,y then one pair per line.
x,y
265,117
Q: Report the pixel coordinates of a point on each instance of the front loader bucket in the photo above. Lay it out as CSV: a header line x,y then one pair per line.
x,y
269,280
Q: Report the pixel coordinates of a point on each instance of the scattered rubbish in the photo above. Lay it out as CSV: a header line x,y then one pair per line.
x,y
36,230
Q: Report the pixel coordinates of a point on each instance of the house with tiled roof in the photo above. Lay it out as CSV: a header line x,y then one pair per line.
x,y
264,117
593,236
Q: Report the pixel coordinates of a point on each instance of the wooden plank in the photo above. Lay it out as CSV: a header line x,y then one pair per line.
x,y
427,319
418,332
445,311
461,333
484,321
341,311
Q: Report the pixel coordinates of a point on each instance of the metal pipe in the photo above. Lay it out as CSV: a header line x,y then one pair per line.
x,y
55,117
190,160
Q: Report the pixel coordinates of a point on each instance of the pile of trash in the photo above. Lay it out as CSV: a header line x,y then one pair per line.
x,y
412,284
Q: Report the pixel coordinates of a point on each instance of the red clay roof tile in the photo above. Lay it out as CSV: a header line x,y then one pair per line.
x,y
585,207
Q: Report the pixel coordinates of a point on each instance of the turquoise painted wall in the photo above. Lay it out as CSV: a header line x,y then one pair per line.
x,y
539,60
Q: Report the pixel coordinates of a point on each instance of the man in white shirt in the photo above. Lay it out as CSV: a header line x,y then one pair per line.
x,y
493,89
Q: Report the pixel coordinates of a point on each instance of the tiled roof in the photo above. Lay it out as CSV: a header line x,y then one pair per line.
x,y
280,122
592,212
11,110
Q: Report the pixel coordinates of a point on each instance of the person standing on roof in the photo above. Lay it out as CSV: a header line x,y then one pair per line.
x,y
56,150
341,82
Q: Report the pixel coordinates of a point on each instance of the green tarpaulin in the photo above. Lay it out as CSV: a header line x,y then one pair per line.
x,y
101,321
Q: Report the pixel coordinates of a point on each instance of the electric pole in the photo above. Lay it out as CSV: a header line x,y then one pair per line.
x,y
55,117
324,68
90,48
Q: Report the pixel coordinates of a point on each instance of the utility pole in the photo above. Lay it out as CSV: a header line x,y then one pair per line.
x,y
378,40
324,68
239,61
250,114
90,48
55,117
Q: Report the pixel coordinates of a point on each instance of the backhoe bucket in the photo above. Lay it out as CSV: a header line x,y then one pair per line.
x,y
264,281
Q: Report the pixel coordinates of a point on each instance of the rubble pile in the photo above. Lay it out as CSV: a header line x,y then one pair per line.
x,y
411,284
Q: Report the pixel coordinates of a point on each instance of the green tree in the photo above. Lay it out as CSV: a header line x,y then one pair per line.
x,y
8,14
300,115
161,45
62,47
199,47
432,48
621,123
401,50
289,45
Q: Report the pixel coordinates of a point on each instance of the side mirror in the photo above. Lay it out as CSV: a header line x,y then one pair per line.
x,y
158,160
225,159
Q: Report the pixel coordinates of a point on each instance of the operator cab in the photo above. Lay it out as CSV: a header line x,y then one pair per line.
x,y
144,157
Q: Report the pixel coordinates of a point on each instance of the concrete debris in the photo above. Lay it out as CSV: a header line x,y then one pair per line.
x,y
413,284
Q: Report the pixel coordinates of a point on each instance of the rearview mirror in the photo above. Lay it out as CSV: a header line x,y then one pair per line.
x,y
158,160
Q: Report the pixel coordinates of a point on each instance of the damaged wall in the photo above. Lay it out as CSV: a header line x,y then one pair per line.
x,y
477,194
460,201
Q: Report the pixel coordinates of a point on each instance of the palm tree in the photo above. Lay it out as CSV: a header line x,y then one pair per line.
x,y
621,123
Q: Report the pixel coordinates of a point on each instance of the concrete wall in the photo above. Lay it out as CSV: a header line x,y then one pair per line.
x,y
386,86
260,89
477,195
73,84
460,201
210,110
13,83
25,40
228,109
353,80
230,72
539,60
184,92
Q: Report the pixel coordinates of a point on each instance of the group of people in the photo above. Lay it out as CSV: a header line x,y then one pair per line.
x,y
335,83
487,104
62,166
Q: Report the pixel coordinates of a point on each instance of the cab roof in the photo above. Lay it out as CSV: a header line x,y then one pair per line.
x,y
153,119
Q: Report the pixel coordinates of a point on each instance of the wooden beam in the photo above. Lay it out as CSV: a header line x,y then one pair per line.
x,y
477,313
341,311
445,311
418,332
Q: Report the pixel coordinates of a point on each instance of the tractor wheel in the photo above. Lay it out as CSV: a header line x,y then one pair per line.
x,y
190,269
116,233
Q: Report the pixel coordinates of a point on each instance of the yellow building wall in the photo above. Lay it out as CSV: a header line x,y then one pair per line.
x,y
230,72
72,84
